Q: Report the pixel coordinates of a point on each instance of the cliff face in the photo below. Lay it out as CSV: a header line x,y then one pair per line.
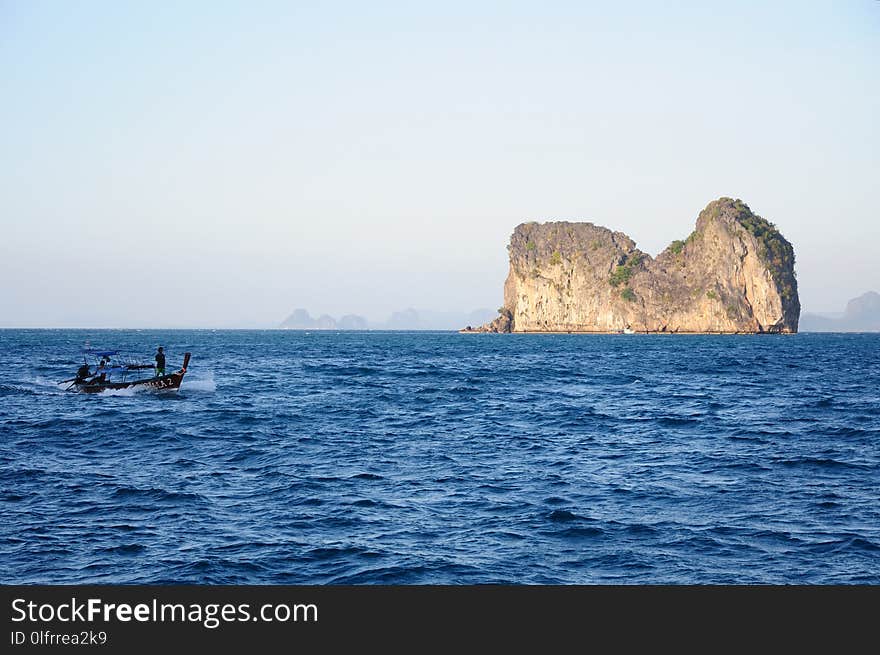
x,y
734,273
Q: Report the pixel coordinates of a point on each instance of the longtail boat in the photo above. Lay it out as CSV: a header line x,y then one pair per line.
x,y
115,372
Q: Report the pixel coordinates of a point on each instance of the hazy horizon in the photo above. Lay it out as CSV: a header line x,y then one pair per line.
x,y
220,165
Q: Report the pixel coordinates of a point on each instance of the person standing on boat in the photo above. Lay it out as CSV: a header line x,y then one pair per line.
x,y
82,372
160,362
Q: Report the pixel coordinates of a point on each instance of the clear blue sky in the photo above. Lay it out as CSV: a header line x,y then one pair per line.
x,y
218,164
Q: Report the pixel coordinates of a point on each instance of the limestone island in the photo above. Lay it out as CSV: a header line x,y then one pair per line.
x,y
734,274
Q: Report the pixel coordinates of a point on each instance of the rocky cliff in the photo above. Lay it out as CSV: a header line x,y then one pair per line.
x,y
733,274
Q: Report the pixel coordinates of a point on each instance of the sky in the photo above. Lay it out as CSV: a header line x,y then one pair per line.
x,y
218,164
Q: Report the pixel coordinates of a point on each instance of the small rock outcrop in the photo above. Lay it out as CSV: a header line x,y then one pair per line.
x,y
733,274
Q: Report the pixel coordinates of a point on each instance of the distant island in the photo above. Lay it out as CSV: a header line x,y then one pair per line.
x,y
862,314
733,274
301,320
407,319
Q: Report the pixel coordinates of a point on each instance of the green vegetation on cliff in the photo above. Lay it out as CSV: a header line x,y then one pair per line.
x,y
624,272
773,249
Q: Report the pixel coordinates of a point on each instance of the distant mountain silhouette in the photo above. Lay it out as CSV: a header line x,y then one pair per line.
x,y
301,320
298,320
407,319
862,315
412,319
352,322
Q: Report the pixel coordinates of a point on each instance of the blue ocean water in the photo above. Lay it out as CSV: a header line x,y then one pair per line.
x,y
359,458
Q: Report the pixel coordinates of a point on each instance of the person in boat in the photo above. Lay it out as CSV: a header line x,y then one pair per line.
x,y
160,362
82,372
100,372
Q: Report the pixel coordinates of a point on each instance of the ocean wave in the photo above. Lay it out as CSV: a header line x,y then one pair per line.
x,y
11,389
820,462
124,549
200,381
564,516
158,495
578,532
845,544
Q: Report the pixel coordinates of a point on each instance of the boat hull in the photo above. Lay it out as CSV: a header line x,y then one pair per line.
x,y
169,382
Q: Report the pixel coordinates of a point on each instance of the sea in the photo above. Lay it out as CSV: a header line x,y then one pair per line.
x,y
330,458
